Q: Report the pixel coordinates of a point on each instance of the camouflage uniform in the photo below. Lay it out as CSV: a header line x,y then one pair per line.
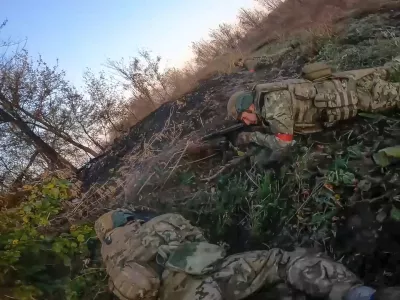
x,y
166,258
305,106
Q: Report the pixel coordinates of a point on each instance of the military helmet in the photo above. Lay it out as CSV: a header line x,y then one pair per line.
x,y
112,220
239,102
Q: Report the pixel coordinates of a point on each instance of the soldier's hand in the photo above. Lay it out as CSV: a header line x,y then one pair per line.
x,y
243,138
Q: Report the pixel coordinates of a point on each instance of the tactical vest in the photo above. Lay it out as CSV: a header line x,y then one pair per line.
x,y
319,103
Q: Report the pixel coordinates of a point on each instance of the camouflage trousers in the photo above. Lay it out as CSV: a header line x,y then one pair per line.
x,y
289,276
376,93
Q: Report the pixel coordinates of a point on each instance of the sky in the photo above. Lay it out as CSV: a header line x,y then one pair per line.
x,y
84,34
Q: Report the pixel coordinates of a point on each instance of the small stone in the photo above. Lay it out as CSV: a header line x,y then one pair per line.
x,y
364,185
75,201
381,216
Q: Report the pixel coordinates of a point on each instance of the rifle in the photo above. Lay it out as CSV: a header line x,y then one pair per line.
x,y
223,132
221,141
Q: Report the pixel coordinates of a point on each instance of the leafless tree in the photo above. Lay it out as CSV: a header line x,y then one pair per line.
x,y
270,4
36,93
251,18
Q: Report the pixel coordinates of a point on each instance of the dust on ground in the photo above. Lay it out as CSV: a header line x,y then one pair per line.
x,y
329,195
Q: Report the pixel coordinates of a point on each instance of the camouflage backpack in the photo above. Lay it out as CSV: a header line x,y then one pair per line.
x,y
130,250
316,71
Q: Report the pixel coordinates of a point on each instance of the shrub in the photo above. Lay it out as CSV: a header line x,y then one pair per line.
x,y
35,260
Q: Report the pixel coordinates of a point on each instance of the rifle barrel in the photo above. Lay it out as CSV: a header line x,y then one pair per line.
x,y
223,131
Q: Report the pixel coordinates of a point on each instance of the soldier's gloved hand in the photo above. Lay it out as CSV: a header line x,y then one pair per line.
x,y
243,138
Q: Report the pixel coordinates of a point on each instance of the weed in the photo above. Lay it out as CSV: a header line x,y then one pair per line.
x,y
266,210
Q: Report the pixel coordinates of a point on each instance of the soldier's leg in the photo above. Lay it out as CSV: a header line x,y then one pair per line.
x,y
377,94
239,276
380,91
309,272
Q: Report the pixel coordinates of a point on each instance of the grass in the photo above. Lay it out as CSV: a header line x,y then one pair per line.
x,y
369,42
248,201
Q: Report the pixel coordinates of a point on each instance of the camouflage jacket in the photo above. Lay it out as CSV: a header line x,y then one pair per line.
x,y
166,258
304,106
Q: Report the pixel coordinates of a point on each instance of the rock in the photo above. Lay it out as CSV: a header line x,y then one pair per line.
x,y
381,216
364,185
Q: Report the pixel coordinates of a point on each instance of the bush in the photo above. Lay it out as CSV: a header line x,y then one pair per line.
x,y
37,262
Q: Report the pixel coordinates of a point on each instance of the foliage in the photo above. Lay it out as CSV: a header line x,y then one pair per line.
x,y
254,203
267,209
87,285
35,261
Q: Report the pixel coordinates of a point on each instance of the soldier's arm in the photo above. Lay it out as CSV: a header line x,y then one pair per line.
x,y
274,142
277,111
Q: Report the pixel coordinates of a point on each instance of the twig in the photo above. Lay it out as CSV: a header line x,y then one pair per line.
x,y
172,156
361,135
147,180
176,164
229,165
201,159
317,188
251,179
376,199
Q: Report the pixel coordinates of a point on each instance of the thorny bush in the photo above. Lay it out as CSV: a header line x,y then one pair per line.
x,y
36,262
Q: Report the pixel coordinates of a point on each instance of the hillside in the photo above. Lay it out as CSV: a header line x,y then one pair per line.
x,y
330,195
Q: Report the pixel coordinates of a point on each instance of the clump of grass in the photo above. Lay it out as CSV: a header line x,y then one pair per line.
x,y
250,202
267,210
372,53
369,42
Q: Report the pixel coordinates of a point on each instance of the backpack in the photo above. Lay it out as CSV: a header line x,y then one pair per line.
x,y
316,71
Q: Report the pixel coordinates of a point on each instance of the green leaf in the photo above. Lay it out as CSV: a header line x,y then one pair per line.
x,y
395,214
386,156
354,151
67,261
317,218
392,151
340,164
80,238
57,248
27,208
348,178
49,185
